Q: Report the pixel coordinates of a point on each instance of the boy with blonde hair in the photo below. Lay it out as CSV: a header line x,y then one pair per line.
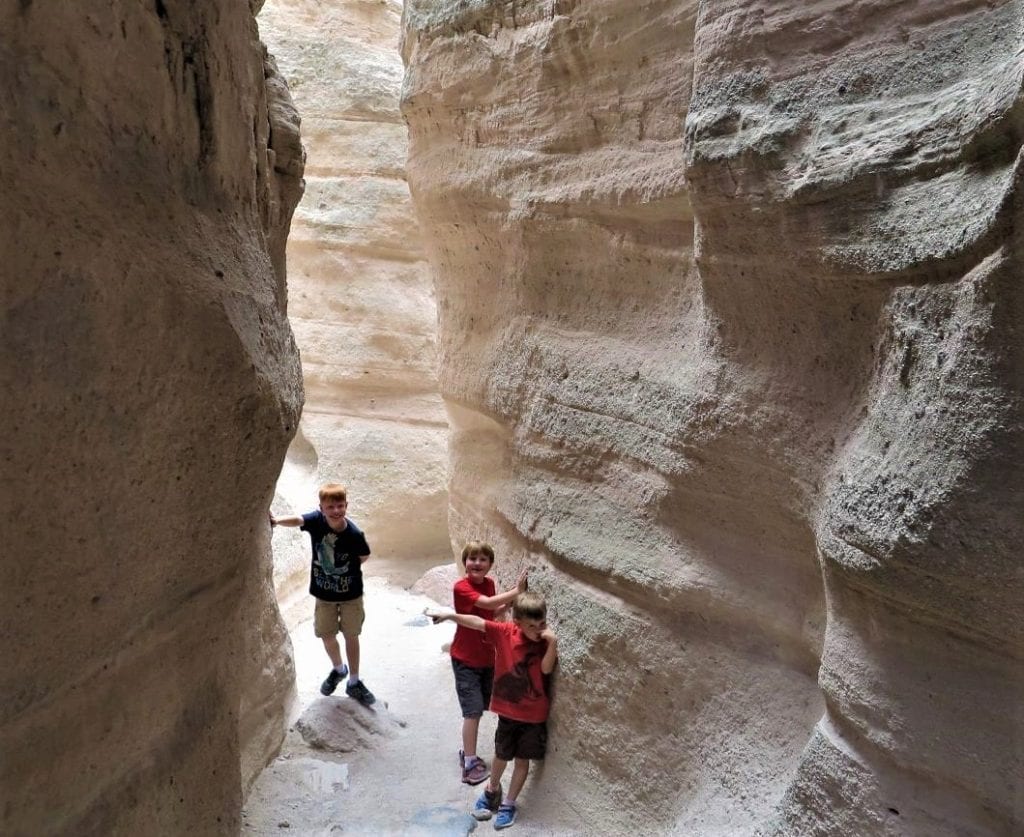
x,y
524,651
472,655
336,582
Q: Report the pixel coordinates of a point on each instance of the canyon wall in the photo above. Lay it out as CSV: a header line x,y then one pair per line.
x,y
731,339
149,169
361,298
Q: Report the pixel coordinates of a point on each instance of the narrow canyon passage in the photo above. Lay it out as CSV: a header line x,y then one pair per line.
x,y
391,768
709,314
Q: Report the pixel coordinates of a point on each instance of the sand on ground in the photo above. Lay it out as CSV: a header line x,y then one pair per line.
x,y
402,775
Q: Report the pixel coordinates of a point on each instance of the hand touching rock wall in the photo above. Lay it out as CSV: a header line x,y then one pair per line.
x,y
731,341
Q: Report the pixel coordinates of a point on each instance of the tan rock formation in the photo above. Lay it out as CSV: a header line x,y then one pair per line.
x,y
361,295
149,169
747,395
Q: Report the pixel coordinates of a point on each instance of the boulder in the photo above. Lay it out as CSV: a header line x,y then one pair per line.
x,y
342,725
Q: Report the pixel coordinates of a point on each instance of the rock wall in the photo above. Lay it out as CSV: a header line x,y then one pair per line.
x,y
731,340
149,169
361,298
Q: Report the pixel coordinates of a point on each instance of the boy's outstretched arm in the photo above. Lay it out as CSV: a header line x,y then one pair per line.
x,y
501,599
288,520
467,620
547,662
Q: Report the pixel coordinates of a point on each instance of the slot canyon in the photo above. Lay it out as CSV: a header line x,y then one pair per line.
x,y
708,314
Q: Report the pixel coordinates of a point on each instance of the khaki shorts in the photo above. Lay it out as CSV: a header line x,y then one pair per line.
x,y
331,617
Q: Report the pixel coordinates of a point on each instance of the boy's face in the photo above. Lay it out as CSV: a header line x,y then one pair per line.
x,y
532,628
334,511
477,566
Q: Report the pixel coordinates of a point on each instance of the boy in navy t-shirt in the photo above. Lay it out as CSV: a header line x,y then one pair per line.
x,y
336,582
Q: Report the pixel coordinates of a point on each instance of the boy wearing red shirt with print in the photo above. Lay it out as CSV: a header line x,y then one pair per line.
x,y
472,655
524,651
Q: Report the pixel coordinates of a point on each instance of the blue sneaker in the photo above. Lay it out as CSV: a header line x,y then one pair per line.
x,y
506,817
487,804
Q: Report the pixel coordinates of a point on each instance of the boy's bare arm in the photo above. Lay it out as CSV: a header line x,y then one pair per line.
x,y
547,662
467,620
288,520
501,599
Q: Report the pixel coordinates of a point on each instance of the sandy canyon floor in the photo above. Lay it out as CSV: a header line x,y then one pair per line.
x,y
392,769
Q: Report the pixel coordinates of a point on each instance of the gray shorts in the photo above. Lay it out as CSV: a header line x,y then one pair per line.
x,y
473,686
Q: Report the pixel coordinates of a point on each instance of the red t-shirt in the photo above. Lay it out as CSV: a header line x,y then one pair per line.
x,y
471,647
518,682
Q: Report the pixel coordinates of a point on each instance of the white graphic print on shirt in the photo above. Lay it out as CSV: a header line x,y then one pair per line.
x,y
330,570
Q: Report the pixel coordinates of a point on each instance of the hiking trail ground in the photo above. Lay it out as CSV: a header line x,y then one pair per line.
x,y
401,776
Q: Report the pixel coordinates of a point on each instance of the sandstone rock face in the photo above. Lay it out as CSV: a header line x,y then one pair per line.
x,y
360,291
731,340
149,169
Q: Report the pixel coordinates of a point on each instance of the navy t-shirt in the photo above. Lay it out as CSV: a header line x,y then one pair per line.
x,y
336,574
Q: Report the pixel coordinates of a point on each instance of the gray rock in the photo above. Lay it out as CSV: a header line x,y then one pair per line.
x,y
342,725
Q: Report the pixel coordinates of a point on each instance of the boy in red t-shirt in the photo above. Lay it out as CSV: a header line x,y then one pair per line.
x,y
472,654
524,651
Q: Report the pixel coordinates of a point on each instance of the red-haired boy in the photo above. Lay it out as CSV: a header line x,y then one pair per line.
x,y
336,582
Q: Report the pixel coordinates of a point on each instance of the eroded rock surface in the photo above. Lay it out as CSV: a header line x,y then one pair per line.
x,y
149,168
730,334
341,725
360,292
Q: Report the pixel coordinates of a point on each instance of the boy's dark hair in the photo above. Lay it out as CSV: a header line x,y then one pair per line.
x,y
333,491
529,605
477,546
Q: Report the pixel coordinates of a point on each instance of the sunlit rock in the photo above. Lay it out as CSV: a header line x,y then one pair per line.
x,y
437,583
361,296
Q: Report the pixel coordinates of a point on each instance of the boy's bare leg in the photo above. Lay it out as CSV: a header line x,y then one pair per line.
x,y
497,768
333,649
515,784
470,731
352,651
